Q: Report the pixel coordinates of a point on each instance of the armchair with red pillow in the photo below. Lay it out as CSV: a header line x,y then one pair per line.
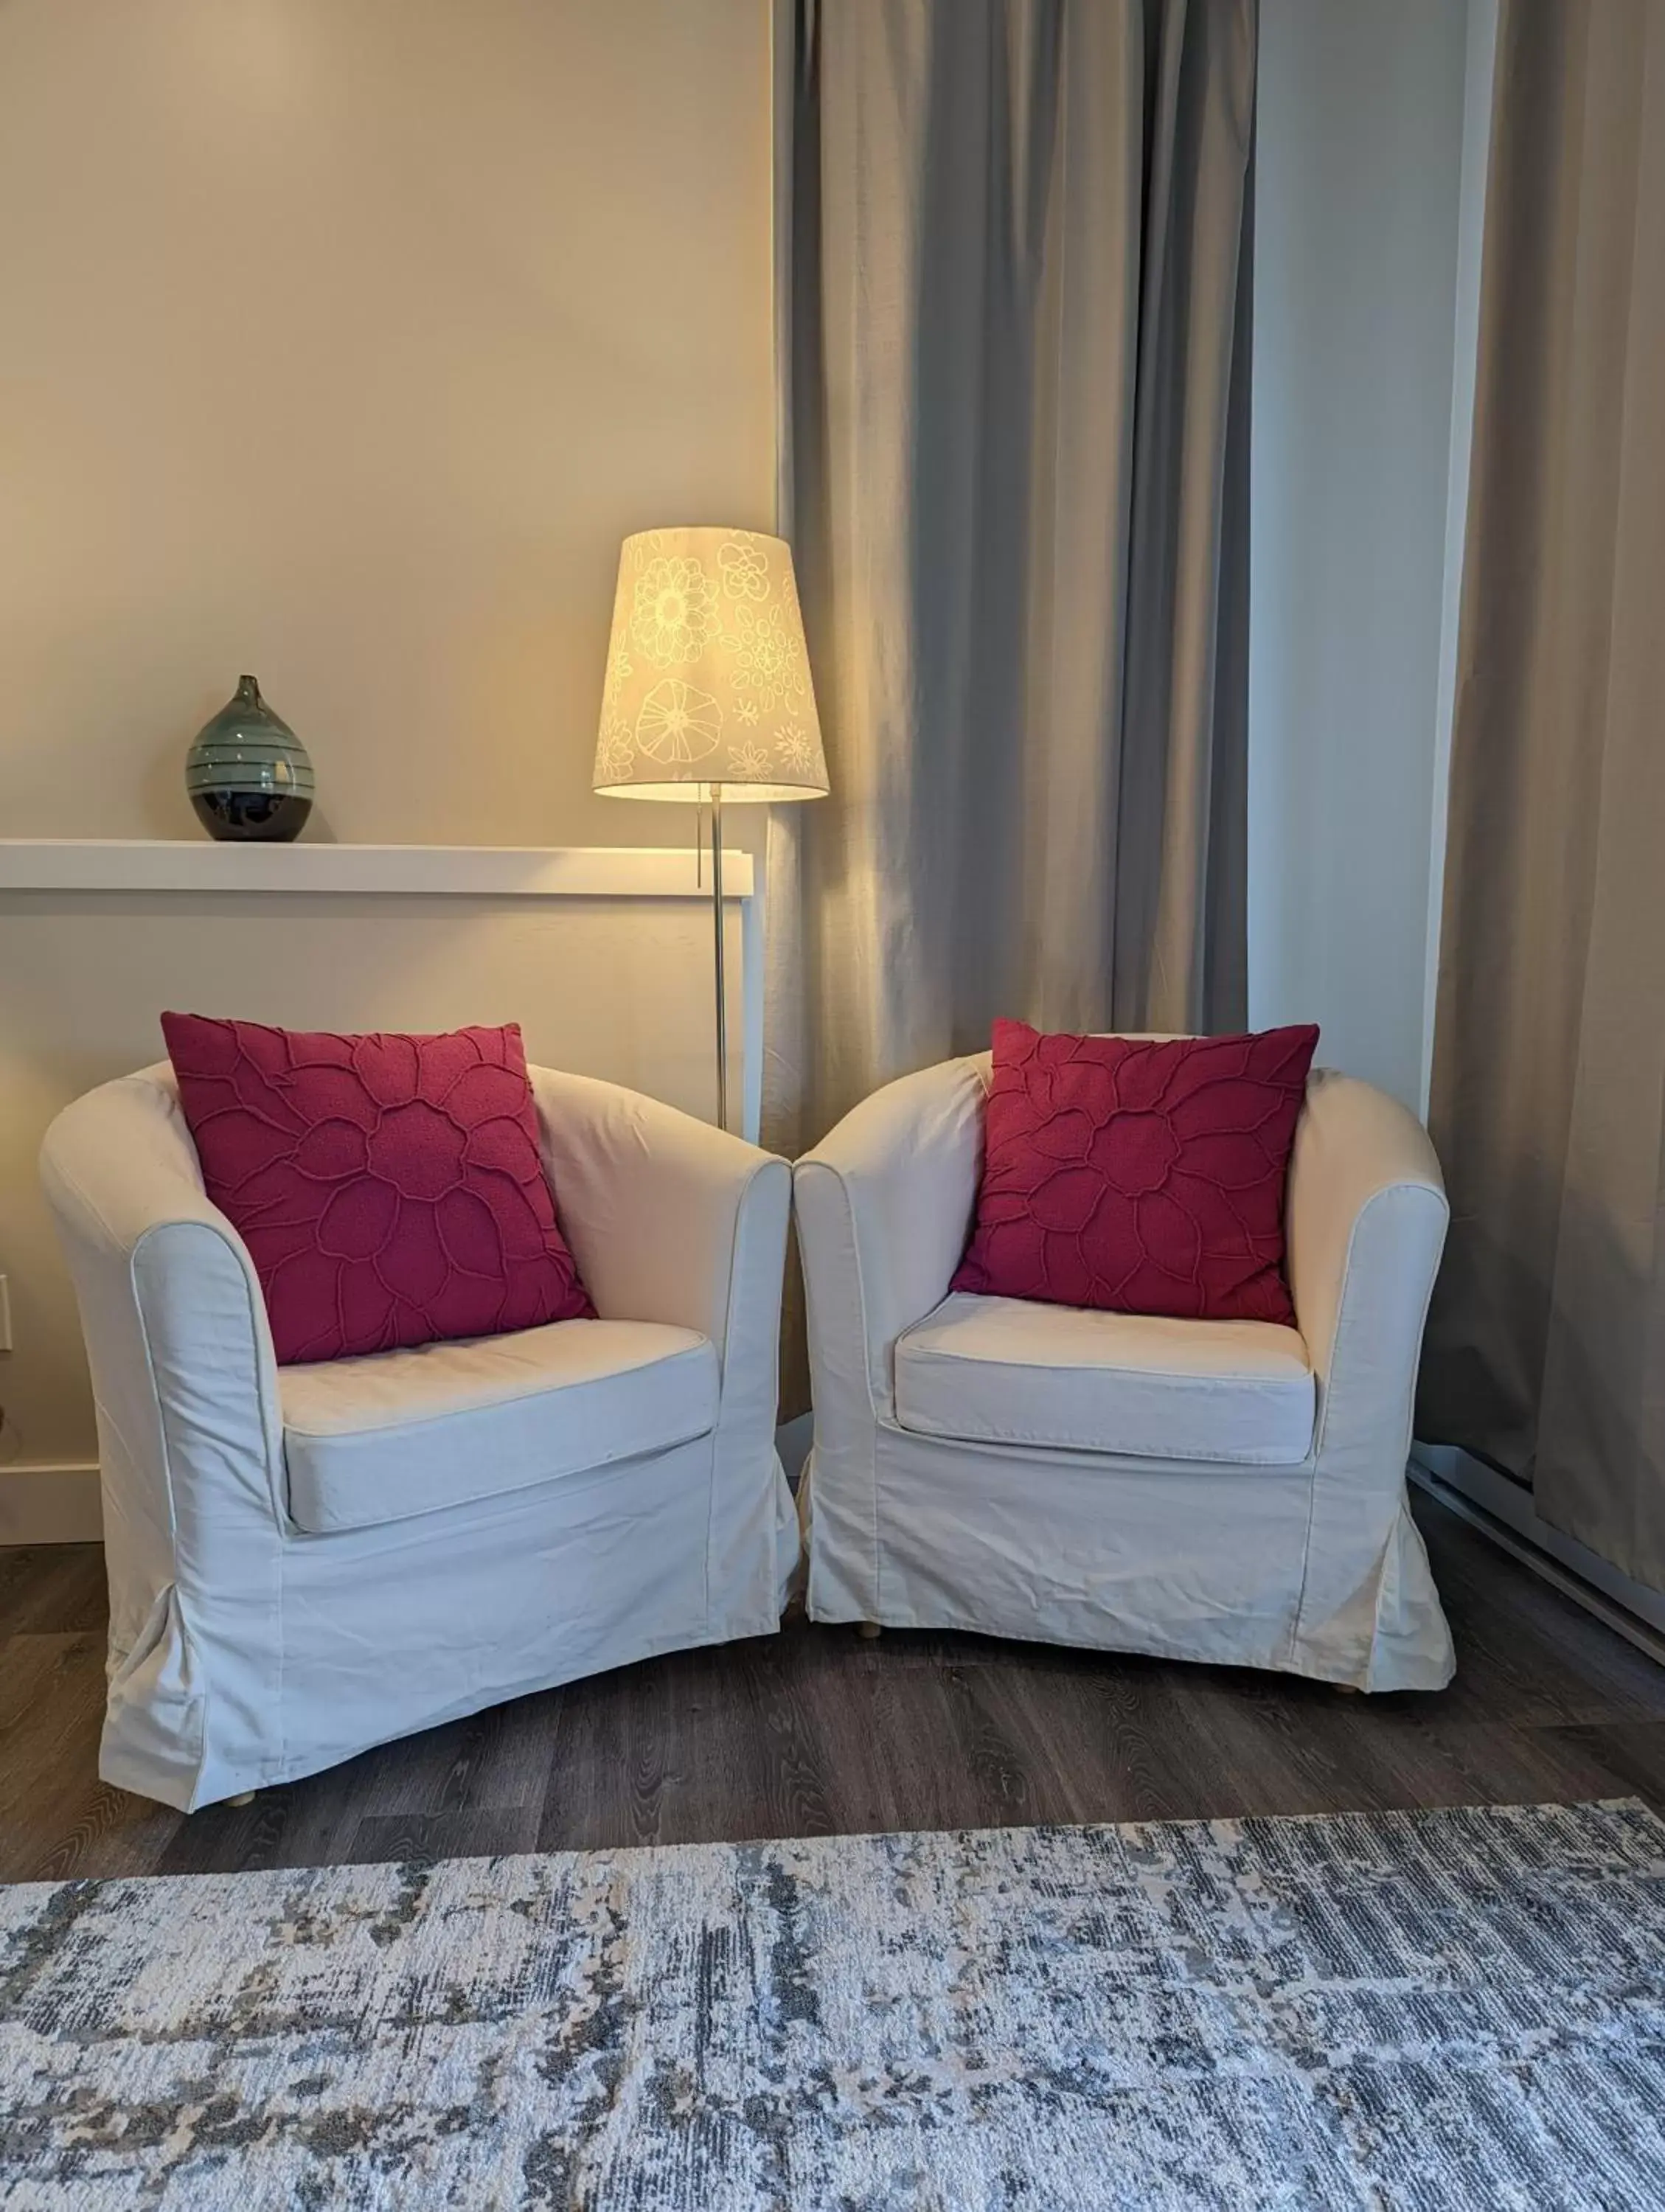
x,y
424,1379
1112,1342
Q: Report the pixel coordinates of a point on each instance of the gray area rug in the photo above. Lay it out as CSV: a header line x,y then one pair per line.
x,y
1439,2009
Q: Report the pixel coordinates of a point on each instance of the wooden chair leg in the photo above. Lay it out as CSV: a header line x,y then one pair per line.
x,y
243,1797
870,1629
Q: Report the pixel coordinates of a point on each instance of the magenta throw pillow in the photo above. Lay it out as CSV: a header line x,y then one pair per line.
x,y
1140,1177
390,1189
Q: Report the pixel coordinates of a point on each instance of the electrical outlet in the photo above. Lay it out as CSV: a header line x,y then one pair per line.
x,y
5,1315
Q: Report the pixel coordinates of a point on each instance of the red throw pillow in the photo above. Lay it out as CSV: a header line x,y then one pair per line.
x,y
390,1189
1140,1177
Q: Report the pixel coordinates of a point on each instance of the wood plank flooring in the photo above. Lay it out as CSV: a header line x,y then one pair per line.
x,y
814,1731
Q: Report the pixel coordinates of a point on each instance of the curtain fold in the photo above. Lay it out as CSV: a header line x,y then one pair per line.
x,y
1546,1351
1013,283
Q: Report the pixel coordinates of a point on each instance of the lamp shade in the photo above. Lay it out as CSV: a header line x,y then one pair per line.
x,y
707,672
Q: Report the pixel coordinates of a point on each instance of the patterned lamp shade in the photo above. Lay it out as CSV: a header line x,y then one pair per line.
x,y
708,674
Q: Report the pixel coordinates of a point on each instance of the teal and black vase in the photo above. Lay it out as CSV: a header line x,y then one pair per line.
x,y
247,775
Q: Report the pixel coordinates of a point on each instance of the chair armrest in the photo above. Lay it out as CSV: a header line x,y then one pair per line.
x,y
184,1377
669,1218
884,1207
1365,1223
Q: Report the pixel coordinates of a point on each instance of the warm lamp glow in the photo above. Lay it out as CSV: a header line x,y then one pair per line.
x,y
708,674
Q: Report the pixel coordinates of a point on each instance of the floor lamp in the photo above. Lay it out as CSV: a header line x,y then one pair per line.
x,y
707,698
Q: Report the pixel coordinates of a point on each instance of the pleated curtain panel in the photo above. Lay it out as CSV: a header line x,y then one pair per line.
x,y
1012,243
1546,1351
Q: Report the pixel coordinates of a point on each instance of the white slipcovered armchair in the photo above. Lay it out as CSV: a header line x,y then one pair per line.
x,y
1215,1491
305,1561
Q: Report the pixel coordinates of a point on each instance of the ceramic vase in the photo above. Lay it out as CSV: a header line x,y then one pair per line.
x,y
247,775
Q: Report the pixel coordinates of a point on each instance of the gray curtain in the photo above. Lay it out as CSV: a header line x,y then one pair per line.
x,y
1546,1346
1013,284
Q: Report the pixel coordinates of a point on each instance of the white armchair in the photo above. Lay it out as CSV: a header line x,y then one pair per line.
x,y
305,1561
1231,1492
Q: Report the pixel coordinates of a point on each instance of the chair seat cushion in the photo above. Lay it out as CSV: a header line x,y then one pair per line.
x,y
1006,1371
394,1433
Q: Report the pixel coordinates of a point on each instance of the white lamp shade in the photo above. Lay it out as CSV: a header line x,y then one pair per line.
x,y
707,672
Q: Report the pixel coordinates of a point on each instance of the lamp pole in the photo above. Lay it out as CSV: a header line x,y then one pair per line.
x,y
717,923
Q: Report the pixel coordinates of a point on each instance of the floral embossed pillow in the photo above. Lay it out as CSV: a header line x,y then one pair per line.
x,y
1139,1177
390,1189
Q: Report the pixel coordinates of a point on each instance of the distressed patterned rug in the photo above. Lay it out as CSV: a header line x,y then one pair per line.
x,y
1439,2009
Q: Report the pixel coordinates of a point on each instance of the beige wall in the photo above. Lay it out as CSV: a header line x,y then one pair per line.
x,y
341,341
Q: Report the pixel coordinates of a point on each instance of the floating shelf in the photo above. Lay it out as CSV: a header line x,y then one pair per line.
x,y
142,864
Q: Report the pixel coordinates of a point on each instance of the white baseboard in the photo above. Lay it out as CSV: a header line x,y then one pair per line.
x,y
50,1504
1503,1510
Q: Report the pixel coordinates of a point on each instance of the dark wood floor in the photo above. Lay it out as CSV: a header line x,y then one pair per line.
x,y
814,1731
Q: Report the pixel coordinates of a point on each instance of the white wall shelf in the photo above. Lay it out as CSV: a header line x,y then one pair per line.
x,y
122,864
